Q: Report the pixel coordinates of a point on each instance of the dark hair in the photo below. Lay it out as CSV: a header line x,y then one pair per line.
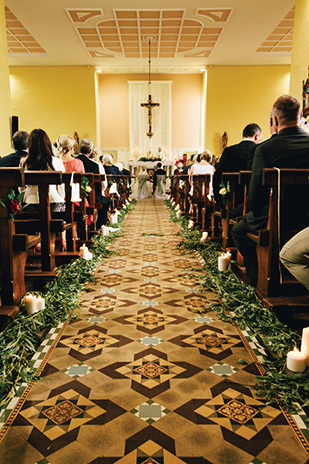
x,y
159,165
40,152
20,140
250,130
288,108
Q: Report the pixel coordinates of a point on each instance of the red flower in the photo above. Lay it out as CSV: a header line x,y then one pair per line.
x,y
15,206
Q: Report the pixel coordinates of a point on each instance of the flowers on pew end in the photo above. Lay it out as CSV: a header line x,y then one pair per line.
x,y
14,203
85,186
224,192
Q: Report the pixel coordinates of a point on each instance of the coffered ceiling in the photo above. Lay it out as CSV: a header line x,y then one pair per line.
x,y
183,35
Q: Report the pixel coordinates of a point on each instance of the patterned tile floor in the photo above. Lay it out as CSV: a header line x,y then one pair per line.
x,y
140,377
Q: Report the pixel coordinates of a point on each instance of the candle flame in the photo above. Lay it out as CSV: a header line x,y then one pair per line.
x,y
296,350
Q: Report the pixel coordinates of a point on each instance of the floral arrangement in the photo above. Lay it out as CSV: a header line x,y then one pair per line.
x,y
224,192
14,203
153,158
85,186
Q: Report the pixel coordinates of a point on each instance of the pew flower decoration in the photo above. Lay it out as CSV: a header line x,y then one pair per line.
x,y
14,203
224,192
85,186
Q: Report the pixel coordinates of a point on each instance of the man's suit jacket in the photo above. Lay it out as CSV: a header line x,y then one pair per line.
x,y
158,172
91,166
233,159
12,160
289,149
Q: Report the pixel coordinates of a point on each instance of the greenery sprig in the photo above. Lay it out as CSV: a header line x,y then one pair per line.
x,y
240,304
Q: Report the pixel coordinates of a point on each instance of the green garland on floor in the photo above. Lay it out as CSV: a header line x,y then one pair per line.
x,y
239,303
21,337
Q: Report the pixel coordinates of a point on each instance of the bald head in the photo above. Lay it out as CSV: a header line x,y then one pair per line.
x,y
286,112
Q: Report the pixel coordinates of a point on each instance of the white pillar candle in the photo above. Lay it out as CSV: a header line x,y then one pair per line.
x,y
104,230
204,236
222,263
83,251
177,208
191,224
124,207
114,219
40,303
296,361
30,304
305,343
89,256
178,214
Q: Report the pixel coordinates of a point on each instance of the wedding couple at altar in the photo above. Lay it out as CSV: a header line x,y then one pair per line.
x,y
148,185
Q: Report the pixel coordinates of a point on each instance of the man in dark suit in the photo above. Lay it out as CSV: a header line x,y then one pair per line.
x,y
85,148
158,172
235,158
288,149
20,145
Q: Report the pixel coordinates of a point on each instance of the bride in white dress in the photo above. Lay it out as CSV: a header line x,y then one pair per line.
x,y
142,189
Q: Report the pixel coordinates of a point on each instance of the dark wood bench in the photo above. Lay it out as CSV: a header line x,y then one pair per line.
x,y
14,247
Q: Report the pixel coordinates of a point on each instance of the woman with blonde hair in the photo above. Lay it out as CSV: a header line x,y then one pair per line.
x,y
65,148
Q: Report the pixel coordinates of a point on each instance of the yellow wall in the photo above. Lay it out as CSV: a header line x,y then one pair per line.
x,y
239,95
186,92
5,113
59,100
300,50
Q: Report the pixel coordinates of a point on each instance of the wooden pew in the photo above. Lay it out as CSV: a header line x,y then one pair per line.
x,y
276,287
41,221
13,247
221,220
201,207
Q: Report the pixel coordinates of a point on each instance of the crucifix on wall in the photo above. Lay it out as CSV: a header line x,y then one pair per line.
x,y
149,104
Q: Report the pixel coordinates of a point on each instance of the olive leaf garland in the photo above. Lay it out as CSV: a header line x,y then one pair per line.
x,y
240,304
21,337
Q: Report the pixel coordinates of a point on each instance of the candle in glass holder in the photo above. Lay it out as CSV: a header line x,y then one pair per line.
x,y
204,236
40,303
305,343
223,263
296,361
83,251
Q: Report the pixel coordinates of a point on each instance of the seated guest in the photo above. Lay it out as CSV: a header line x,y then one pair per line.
x,y
20,145
178,169
188,164
235,159
102,203
40,158
123,171
292,254
203,166
65,147
107,161
288,149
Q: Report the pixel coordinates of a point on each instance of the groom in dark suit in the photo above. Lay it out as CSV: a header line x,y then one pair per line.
x,y
20,145
288,149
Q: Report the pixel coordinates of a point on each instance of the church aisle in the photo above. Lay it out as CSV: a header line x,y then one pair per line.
x,y
140,377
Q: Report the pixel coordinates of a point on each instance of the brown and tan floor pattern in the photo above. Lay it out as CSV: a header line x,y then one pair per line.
x,y
140,378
